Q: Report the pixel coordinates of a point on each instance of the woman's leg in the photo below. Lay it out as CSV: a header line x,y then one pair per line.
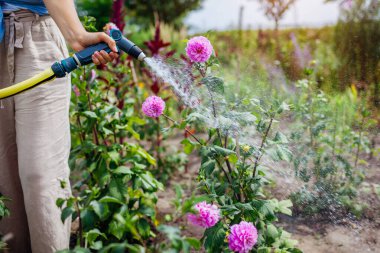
x,y
16,224
43,136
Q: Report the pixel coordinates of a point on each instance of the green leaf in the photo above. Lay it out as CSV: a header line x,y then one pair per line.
x,y
66,213
284,153
149,182
117,188
215,84
294,250
88,218
101,209
265,209
283,107
114,156
90,114
272,231
188,146
93,234
280,153
122,170
77,249
280,138
223,151
173,233
194,242
264,250
146,155
214,238
109,199
101,173
208,167
143,228
284,207
233,158
59,202
135,134
116,229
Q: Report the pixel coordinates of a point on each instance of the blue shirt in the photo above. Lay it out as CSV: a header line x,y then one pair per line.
x,y
36,6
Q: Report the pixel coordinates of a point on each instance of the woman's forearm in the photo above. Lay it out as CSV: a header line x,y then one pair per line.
x,y
65,15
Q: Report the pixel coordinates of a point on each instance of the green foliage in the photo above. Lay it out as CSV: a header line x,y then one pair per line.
x,y
172,12
3,209
356,42
327,150
4,212
177,243
115,189
99,9
232,174
141,13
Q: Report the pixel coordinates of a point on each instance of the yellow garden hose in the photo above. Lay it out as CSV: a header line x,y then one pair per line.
x,y
43,77
82,58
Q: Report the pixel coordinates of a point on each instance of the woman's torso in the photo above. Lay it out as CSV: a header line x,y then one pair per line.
x,y
7,6
36,6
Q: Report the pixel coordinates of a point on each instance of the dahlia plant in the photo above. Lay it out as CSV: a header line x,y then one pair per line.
x,y
241,138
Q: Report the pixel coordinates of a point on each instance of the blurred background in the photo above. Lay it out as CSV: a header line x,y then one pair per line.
x,y
320,56
339,36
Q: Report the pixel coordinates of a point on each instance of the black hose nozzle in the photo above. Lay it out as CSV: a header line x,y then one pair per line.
x,y
84,57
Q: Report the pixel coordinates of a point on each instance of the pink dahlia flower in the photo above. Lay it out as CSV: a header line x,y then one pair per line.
x,y
207,215
243,237
153,106
199,49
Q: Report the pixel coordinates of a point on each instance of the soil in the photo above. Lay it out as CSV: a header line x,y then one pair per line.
x,y
314,235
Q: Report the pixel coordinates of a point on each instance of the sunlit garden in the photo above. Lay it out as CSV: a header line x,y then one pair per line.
x,y
236,140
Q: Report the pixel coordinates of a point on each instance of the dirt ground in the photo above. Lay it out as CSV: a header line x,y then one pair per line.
x,y
344,235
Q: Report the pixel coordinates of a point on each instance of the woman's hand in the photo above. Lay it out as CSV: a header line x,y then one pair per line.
x,y
88,39
66,17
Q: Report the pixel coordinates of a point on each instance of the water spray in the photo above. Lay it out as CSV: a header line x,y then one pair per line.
x,y
82,58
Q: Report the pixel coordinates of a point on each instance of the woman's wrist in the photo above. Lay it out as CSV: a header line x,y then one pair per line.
x,y
75,36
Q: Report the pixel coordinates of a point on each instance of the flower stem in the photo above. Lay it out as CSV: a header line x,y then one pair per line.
x,y
260,154
189,132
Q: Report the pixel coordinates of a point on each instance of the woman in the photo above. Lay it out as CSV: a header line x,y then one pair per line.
x,y
34,125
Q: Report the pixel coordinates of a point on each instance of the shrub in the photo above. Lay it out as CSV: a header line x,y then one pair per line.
x,y
327,150
231,175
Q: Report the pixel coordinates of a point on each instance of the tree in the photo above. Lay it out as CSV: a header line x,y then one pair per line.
x,y
141,12
172,12
275,9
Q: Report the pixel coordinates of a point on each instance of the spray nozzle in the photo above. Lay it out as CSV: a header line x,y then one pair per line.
x,y
126,45
84,57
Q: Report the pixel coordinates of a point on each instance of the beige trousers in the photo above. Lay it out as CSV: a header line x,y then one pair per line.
x,y
34,136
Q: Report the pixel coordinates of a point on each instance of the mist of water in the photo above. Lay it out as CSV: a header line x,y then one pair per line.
x,y
235,122
202,101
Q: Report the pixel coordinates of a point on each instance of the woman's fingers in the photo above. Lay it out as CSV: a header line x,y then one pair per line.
x,y
107,39
95,59
106,56
103,57
114,55
99,58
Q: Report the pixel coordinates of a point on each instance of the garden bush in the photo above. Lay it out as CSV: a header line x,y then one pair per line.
x,y
328,146
231,175
4,212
